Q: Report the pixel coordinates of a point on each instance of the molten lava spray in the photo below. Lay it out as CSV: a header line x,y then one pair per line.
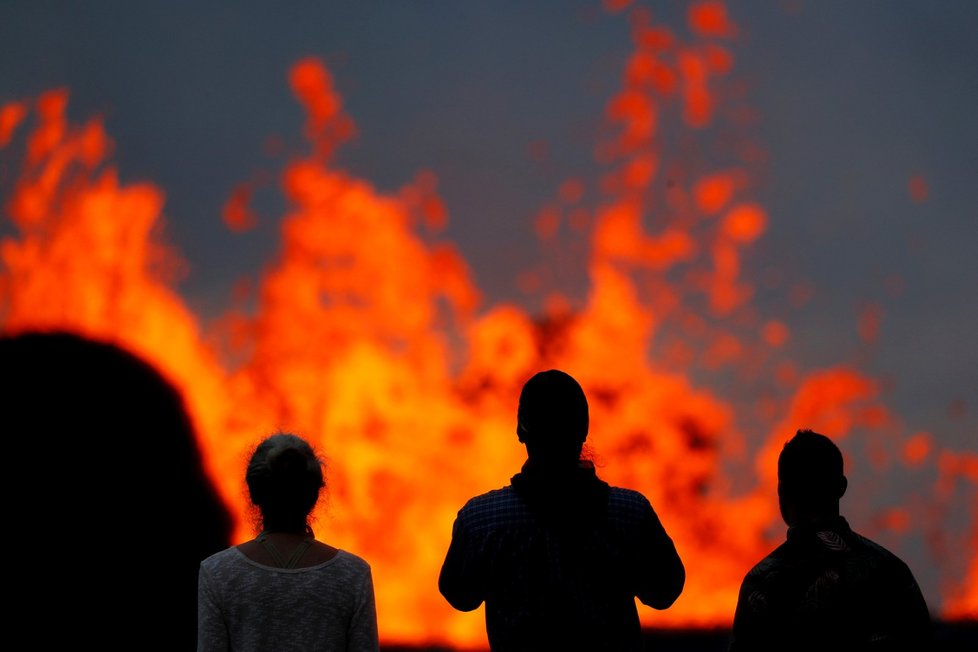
x,y
369,337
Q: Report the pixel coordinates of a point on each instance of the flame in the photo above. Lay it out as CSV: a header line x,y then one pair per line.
x,y
369,336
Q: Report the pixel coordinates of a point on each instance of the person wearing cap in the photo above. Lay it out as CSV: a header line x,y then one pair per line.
x,y
826,587
558,556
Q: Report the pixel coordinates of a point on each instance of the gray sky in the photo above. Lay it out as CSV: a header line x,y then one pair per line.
x,y
852,98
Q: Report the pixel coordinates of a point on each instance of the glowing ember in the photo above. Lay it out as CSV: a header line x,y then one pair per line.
x,y
368,336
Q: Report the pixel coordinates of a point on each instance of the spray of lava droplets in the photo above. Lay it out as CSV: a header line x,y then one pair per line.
x,y
381,351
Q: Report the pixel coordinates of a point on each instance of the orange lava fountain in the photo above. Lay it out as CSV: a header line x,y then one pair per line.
x,y
370,338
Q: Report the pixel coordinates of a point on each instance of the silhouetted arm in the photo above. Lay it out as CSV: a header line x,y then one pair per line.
x,y
904,624
462,580
748,622
917,615
362,635
661,572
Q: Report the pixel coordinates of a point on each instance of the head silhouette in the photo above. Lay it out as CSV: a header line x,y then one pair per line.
x,y
284,479
552,418
109,492
810,478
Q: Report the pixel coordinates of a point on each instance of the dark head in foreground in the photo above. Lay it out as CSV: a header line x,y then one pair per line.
x,y
558,556
826,587
284,589
106,495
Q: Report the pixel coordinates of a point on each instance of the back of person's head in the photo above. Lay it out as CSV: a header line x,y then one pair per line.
x,y
106,484
552,418
284,477
810,472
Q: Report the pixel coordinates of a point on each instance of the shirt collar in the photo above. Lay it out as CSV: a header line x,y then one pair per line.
x,y
836,524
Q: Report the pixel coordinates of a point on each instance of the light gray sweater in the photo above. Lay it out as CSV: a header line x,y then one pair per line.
x,y
244,606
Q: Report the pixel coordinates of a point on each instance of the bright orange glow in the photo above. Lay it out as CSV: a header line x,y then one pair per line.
x,y
714,192
917,448
637,112
709,18
896,519
964,602
237,213
698,101
369,336
10,116
327,126
745,223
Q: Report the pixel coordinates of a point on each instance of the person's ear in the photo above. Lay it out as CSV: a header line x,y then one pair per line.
x,y
843,485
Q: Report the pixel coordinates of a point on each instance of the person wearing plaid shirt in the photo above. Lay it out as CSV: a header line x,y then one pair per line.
x,y
558,556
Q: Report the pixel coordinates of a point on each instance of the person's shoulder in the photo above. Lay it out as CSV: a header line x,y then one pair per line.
x,y
490,499
353,560
624,494
881,555
623,499
768,562
491,509
765,569
220,559
888,574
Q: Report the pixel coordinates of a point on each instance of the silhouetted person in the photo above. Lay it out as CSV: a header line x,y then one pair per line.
x,y
559,556
108,510
826,587
284,590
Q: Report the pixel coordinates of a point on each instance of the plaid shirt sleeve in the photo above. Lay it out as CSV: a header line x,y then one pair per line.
x,y
462,580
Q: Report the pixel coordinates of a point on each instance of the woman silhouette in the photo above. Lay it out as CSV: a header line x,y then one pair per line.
x,y
284,590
